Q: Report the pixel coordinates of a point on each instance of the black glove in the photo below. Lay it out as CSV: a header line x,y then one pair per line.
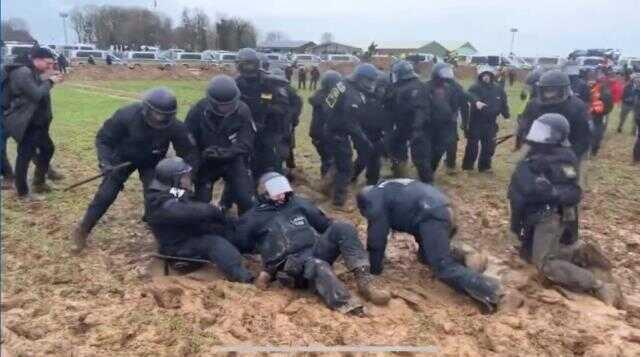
x,y
106,168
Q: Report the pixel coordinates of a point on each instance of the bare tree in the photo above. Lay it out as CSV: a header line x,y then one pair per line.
x,y
326,37
235,33
16,29
275,36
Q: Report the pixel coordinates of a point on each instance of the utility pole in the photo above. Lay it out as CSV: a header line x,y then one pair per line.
x,y
64,16
513,39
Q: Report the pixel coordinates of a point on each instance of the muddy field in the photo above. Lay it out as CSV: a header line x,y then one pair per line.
x,y
115,300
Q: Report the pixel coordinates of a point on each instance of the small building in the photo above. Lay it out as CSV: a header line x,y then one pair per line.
x,y
286,46
442,49
335,48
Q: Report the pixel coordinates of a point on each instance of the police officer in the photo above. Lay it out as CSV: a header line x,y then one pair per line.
x,y
315,77
288,143
376,122
636,114
317,128
544,195
462,100
530,89
224,132
420,209
268,99
183,226
140,134
298,244
411,108
345,104
443,124
489,101
555,96
578,86
600,105
629,95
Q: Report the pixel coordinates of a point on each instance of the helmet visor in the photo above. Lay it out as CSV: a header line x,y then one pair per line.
x,y
224,109
159,120
248,67
367,84
553,95
445,73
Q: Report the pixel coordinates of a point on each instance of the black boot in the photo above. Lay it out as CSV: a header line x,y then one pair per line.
x,y
39,184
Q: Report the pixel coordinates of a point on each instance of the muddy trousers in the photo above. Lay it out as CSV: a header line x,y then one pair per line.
x,y
443,135
369,159
554,260
343,159
421,152
482,141
212,248
599,127
36,146
324,151
452,153
108,191
237,179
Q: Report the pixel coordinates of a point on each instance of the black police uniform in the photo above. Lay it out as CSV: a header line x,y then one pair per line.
x,y
126,137
376,122
580,88
268,99
225,145
411,109
187,228
298,244
288,143
419,209
462,100
576,112
482,127
442,127
345,104
317,129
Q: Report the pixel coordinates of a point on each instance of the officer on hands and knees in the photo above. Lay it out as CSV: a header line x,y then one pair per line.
x,y
411,108
345,104
268,100
185,227
139,134
544,195
319,113
224,132
416,208
298,244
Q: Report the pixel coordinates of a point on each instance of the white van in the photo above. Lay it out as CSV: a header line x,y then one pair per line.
x,y
191,59
306,60
100,57
343,59
142,58
12,50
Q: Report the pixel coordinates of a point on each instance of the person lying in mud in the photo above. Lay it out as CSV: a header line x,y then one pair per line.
x,y
420,209
185,227
544,195
298,244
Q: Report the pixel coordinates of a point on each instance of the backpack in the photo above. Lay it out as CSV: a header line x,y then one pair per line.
x,y
5,88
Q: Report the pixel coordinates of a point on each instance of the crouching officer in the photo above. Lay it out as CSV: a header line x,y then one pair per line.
x,y
268,99
298,244
183,226
139,134
346,104
224,132
489,101
420,209
544,195
317,128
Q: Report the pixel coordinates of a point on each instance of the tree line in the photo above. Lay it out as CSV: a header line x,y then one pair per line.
x,y
135,27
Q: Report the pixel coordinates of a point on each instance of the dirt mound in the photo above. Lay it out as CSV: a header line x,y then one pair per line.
x,y
104,72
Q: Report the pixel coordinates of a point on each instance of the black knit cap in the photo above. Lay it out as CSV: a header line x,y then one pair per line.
x,y
42,52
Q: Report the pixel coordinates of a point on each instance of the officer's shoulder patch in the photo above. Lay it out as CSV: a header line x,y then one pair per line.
x,y
341,87
298,221
333,97
569,171
266,96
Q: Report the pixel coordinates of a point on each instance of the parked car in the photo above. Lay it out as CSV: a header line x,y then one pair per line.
x,y
633,63
223,58
306,60
100,57
192,59
142,58
277,60
547,62
342,59
589,62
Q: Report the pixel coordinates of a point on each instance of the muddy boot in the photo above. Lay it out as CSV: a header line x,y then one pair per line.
x,y
353,306
39,183
79,239
54,175
262,281
6,183
368,289
590,255
609,293
467,255
486,290
30,198
400,169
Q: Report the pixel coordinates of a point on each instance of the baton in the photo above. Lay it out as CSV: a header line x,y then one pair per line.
x,y
93,178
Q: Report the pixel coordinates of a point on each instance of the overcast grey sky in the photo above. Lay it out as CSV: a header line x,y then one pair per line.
x,y
546,27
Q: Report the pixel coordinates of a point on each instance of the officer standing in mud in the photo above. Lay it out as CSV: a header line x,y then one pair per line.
x,y
268,99
135,138
188,228
317,128
288,143
489,101
224,132
544,195
462,100
345,104
416,208
411,108
298,244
